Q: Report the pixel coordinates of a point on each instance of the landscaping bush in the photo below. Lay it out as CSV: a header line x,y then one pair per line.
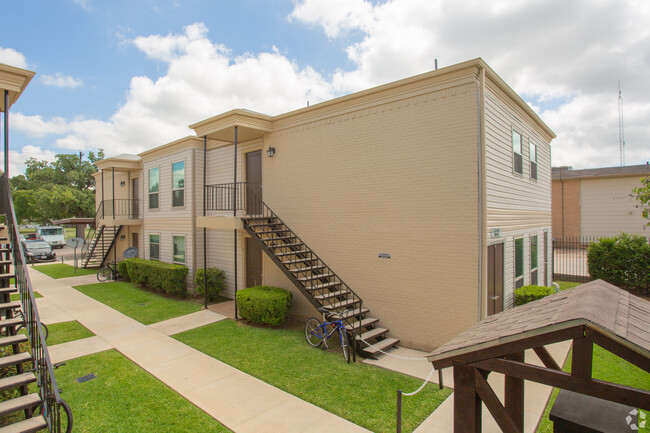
x,y
158,276
623,261
122,270
526,294
216,282
264,305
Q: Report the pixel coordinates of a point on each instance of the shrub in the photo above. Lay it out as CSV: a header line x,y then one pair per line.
x,y
264,304
121,269
623,261
526,294
216,282
158,276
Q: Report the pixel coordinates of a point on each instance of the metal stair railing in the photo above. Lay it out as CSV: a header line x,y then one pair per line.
x,y
87,248
220,198
43,369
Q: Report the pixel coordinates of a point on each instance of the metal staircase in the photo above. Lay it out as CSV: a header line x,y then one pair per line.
x,y
97,246
29,396
308,272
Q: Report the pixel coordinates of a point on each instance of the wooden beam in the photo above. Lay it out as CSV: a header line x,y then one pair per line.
x,y
592,387
582,358
467,403
546,358
499,413
506,348
514,393
619,350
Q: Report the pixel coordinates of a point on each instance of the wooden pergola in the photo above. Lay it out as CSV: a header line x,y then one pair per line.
x,y
596,312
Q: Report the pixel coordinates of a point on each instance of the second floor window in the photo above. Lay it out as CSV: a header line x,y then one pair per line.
x,y
517,158
154,181
533,161
178,184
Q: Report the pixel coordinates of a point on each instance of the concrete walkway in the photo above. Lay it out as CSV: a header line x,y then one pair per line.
x,y
239,401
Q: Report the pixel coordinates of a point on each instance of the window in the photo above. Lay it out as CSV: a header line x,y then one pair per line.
x,y
178,184
533,260
179,249
154,180
154,247
519,263
517,158
533,161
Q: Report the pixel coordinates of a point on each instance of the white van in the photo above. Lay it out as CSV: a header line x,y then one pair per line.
x,y
53,235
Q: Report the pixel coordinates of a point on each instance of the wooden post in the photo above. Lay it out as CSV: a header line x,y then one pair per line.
x,y
514,394
582,358
467,404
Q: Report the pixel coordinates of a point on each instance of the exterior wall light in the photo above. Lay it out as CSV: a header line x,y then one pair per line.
x,y
270,151
122,183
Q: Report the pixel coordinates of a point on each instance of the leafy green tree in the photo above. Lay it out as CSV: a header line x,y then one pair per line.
x,y
643,196
60,189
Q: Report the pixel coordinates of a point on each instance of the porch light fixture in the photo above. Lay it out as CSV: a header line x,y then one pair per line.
x,y
270,151
122,183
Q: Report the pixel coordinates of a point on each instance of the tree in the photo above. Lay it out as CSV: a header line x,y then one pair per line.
x,y
643,196
61,189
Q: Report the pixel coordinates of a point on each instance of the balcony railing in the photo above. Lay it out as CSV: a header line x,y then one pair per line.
x,y
119,208
232,197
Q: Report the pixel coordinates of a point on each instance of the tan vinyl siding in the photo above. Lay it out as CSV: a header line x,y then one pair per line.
x,y
400,178
164,164
220,254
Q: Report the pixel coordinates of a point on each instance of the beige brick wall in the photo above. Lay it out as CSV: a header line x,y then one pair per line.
x,y
397,177
566,208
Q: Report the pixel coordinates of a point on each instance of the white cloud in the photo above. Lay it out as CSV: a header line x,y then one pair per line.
x,y
85,4
60,80
17,159
11,57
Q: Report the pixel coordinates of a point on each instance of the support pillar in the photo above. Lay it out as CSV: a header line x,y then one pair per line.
x,y
6,133
205,233
234,213
582,358
514,394
467,403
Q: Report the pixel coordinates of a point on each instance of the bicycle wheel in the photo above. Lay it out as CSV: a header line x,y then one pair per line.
x,y
345,347
104,274
314,332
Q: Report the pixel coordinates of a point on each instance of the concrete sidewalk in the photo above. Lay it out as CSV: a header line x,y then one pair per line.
x,y
239,401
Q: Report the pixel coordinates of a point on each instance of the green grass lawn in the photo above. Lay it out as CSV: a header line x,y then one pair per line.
x,y
61,270
126,399
360,393
16,296
564,285
611,368
66,331
144,306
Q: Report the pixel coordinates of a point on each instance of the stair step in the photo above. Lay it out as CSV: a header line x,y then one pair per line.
x,y
17,380
384,344
337,305
331,295
5,262
5,250
6,276
10,305
270,232
306,269
362,323
315,277
289,253
8,290
7,361
282,238
19,403
373,333
264,225
291,262
292,244
354,312
14,321
323,286
13,339
29,425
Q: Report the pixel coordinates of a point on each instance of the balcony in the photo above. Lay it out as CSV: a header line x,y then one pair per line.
x,y
119,212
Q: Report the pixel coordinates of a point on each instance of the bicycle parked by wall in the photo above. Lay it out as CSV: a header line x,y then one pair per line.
x,y
108,272
317,333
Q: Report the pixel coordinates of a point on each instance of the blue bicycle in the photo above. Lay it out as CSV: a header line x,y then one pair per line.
x,y
317,332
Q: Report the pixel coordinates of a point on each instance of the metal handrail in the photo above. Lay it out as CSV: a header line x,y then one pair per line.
x,y
91,234
220,198
121,207
51,401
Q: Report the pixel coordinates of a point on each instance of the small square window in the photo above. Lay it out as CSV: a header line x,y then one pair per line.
x,y
533,161
154,247
517,158
179,249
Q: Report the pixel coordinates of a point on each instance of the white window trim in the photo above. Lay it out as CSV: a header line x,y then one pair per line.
x,y
521,150
514,261
149,208
178,189
149,245
536,268
530,161
184,254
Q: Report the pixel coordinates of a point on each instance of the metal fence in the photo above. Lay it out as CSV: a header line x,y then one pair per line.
x,y
570,258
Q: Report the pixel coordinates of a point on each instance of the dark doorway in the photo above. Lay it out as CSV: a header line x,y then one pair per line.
x,y
135,193
254,182
253,263
495,279
134,242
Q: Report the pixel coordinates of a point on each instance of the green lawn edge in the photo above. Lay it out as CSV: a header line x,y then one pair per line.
x,y
61,270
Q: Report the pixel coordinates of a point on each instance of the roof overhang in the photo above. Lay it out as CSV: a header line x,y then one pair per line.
x,y
250,125
119,164
14,80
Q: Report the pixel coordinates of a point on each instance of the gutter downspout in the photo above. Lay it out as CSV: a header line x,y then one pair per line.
x,y
482,199
115,244
205,233
6,133
234,213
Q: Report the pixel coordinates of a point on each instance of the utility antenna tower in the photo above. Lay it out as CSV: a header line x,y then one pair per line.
x,y
621,129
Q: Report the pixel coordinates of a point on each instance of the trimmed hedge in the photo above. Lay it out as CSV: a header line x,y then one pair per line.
x,y
216,282
158,276
264,305
623,261
530,293
122,270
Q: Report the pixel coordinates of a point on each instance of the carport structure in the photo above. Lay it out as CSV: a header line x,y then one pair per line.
x,y
596,312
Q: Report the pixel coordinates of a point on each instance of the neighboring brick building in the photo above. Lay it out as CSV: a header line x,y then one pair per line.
x,y
430,197
597,202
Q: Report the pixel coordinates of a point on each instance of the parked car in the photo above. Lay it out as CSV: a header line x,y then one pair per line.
x,y
38,251
31,237
53,235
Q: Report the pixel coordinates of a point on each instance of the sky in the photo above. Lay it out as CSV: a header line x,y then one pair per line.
x,y
130,75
